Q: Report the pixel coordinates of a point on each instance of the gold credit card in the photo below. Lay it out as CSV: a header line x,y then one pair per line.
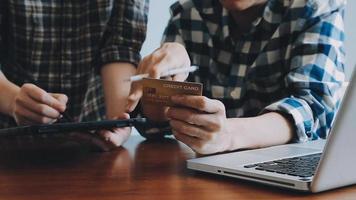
x,y
158,91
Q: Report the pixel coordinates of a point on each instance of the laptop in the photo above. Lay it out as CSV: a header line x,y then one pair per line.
x,y
313,166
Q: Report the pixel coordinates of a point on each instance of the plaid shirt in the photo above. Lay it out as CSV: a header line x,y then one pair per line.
x,y
291,61
61,45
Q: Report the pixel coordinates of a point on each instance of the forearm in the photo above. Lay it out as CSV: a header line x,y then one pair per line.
x,y
265,130
116,89
8,92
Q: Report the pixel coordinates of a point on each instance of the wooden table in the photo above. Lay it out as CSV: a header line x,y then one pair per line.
x,y
140,170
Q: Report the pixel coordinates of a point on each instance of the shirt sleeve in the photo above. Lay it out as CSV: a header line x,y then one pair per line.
x,y
125,32
315,77
172,31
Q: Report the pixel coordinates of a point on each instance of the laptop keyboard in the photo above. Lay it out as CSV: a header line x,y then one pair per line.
x,y
301,166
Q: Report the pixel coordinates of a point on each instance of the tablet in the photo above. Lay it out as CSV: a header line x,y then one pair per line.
x,y
58,128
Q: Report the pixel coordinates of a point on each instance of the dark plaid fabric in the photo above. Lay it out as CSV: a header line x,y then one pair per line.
x,y
61,46
291,61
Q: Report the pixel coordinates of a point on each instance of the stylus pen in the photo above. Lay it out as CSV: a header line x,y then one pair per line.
x,y
165,74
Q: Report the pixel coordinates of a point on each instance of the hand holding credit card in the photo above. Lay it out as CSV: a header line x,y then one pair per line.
x,y
158,91
144,88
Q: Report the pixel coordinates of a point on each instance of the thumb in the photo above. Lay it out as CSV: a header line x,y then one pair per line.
x,y
122,116
134,97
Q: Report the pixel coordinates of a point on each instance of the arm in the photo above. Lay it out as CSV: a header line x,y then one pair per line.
x,y
264,130
201,123
315,77
30,104
27,104
120,53
8,93
115,88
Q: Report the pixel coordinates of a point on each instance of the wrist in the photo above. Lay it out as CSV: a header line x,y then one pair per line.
x,y
236,128
261,131
9,93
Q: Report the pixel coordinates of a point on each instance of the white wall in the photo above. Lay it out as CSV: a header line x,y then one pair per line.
x,y
350,43
157,20
159,15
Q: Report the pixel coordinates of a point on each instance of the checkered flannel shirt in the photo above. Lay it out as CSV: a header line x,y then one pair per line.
x,y
61,46
291,61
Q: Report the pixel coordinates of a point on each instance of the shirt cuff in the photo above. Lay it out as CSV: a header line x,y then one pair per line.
x,y
301,115
119,54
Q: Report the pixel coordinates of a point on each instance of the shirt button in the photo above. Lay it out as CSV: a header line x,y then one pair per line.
x,y
236,93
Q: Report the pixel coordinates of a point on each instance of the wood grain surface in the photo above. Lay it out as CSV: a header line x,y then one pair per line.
x,y
140,170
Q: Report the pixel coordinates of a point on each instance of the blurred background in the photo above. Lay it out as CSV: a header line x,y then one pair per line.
x,y
159,15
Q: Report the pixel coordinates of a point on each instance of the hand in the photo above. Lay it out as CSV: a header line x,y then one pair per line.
x,y
169,56
33,105
200,123
117,136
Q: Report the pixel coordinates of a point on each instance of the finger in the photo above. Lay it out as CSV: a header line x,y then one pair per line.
x,y
153,64
199,102
117,138
136,89
192,142
208,121
190,130
134,97
41,109
180,77
159,68
158,63
147,65
42,96
123,116
142,66
60,97
31,116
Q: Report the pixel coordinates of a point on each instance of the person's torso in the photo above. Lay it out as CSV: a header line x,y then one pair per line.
x,y
56,44
246,73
